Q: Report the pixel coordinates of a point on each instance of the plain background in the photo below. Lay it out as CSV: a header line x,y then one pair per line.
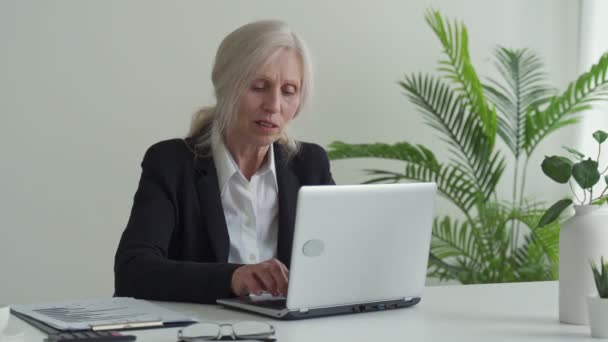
x,y
86,86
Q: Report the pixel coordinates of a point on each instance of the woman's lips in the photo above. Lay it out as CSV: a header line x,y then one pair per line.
x,y
265,124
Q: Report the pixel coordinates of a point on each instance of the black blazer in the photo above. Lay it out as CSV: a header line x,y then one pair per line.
x,y
175,246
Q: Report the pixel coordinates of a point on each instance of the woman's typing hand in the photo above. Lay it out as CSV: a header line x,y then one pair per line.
x,y
270,276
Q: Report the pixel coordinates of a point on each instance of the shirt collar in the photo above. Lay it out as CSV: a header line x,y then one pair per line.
x,y
226,166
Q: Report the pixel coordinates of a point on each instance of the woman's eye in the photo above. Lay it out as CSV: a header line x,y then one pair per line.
x,y
258,86
289,91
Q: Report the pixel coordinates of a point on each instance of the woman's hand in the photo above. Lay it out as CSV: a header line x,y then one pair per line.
x,y
270,276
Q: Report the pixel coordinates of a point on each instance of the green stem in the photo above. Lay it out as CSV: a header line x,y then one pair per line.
x,y
521,199
514,227
574,192
518,123
523,181
515,181
590,195
584,197
603,192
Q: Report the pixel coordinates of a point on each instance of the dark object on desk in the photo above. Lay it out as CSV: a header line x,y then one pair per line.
x,y
36,323
89,336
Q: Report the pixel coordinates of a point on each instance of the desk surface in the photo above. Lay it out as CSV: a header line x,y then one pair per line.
x,y
495,312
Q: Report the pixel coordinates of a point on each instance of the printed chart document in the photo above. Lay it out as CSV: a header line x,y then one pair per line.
x,y
102,314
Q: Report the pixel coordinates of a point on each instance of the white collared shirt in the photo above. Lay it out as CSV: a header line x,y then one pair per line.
x,y
250,207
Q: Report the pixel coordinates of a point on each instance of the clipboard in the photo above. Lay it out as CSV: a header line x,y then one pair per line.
x,y
47,329
118,313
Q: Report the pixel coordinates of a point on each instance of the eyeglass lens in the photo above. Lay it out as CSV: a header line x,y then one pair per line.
x,y
240,329
252,329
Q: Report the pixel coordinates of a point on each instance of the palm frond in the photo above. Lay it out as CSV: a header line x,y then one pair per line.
x,y
422,165
438,268
484,246
496,257
580,94
402,151
452,183
531,262
492,227
545,238
462,130
454,245
458,68
452,238
491,172
523,89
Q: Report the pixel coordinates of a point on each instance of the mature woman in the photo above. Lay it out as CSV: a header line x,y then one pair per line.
x,y
213,216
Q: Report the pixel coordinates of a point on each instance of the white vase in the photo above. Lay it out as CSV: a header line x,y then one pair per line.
x,y
5,313
583,238
598,316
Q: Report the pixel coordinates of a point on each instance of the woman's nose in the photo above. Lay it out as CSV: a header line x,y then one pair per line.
x,y
272,101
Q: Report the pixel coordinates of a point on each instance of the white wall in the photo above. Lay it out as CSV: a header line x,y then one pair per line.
x,y
87,86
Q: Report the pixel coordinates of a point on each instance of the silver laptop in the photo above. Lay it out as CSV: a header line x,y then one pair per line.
x,y
356,248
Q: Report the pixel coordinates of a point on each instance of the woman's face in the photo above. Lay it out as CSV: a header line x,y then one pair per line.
x,y
270,101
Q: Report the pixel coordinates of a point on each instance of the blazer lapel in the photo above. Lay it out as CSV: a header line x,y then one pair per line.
x,y
288,185
211,207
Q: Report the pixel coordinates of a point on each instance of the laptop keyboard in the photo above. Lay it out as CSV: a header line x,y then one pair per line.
x,y
271,304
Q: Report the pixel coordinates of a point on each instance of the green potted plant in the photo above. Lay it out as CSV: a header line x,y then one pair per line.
x,y
585,172
598,305
582,236
491,239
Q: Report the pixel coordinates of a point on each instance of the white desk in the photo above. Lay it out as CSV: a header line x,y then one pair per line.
x,y
496,312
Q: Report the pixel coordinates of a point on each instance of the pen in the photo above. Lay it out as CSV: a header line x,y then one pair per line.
x,y
126,325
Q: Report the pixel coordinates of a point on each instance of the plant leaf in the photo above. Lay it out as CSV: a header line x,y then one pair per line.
x,y
523,88
585,173
554,211
588,88
421,165
576,153
462,130
545,239
452,182
403,151
450,238
458,67
601,277
600,136
557,168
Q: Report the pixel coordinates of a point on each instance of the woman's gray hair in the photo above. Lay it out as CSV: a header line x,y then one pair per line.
x,y
240,55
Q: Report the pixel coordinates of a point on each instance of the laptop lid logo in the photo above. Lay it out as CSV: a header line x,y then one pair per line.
x,y
313,248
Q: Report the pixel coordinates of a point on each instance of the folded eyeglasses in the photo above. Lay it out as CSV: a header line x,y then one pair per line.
x,y
210,331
